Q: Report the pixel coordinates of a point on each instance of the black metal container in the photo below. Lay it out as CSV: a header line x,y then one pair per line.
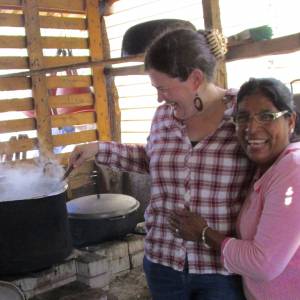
x,y
34,233
98,218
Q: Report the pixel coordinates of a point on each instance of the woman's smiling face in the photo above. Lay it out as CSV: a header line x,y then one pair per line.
x,y
263,142
178,94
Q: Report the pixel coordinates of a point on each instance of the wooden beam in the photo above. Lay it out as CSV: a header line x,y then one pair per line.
x,y
73,119
39,86
68,81
20,145
99,83
88,64
15,83
249,49
17,125
71,100
74,138
57,5
112,91
62,23
16,105
212,20
124,71
64,43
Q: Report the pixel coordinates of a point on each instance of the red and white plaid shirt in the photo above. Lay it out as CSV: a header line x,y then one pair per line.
x,y
210,179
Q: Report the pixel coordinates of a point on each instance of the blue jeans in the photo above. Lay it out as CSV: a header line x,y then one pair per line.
x,y
168,284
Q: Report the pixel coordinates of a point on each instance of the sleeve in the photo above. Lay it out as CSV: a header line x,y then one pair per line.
x,y
125,157
278,231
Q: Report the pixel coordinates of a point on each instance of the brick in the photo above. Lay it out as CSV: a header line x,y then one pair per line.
x,y
135,243
119,265
91,264
99,281
136,259
65,272
113,250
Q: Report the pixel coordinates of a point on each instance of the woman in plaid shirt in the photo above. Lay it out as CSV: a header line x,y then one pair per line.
x,y
194,161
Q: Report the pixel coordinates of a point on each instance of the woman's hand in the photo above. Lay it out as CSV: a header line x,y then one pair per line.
x,y
82,153
187,225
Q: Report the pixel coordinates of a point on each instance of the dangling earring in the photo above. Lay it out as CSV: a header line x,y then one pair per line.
x,y
198,104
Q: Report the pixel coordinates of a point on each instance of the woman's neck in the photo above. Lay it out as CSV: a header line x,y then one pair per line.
x,y
211,115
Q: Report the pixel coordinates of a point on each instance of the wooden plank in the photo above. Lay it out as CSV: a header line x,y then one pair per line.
x,y
15,83
51,62
125,71
20,145
102,62
13,62
281,45
68,81
12,42
11,20
10,2
62,23
70,100
73,119
99,84
74,138
17,125
112,91
64,43
212,19
62,5
39,86
16,105
16,20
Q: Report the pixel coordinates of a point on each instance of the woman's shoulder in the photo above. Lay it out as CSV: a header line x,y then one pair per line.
x,y
289,160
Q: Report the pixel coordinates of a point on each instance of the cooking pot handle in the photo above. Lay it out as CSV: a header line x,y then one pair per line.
x,y
117,218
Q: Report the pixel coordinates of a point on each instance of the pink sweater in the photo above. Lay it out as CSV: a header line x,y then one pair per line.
x,y
268,253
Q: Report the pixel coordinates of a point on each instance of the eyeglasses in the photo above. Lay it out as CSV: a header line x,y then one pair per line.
x,y
263,118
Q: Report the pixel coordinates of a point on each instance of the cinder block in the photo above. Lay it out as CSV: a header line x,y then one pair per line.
x,y
40,282
48,278
119,265
91,264
113,250
99,281
136,259
135,243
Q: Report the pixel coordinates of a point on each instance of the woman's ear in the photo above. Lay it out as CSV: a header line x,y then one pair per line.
x,y
292,123
196,78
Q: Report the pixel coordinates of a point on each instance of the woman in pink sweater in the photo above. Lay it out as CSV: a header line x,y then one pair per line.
x,y
266,251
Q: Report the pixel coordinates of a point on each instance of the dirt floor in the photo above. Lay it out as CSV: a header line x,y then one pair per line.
x,y
128,286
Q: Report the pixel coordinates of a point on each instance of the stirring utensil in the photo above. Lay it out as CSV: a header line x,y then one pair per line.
x,y
68,171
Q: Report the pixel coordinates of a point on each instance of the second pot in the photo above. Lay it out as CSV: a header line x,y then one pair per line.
x,y
98,218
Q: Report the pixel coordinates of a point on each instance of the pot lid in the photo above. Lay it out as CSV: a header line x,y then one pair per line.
x,y
9,291
101,206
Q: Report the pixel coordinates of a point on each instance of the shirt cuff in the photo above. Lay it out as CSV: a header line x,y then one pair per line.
x,y
224,245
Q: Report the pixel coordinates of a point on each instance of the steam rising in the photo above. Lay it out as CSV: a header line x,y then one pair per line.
x,y
30,182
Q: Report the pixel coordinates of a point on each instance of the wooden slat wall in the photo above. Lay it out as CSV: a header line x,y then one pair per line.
x,y
34,15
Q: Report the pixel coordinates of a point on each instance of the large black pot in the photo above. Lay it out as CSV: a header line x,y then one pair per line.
x,y
34,233
98,218
138,37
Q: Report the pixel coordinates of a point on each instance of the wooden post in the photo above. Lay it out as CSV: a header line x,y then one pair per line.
x,y
99,83
212,19
112,92
39,87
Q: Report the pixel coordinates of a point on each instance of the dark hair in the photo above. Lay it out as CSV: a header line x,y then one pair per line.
x,y
275,90
178,52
